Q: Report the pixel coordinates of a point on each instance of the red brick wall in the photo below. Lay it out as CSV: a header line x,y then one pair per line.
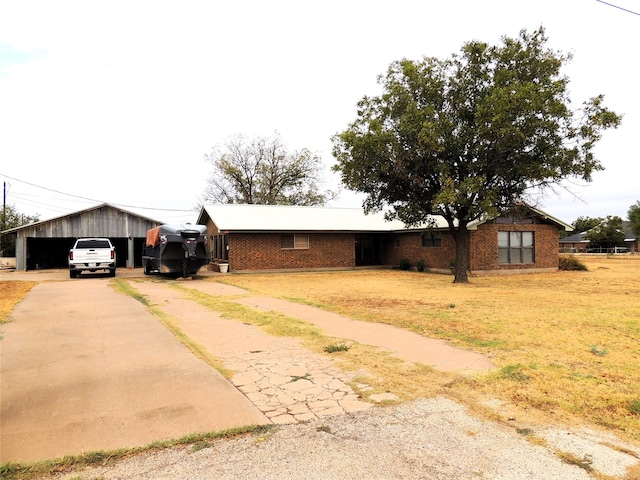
x,y
484,246
262,251
336,250
410,247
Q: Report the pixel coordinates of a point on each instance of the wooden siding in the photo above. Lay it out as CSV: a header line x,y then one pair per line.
x,y
100,222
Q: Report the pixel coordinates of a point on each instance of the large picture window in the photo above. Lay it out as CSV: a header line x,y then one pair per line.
x,y
294,241
516,247
431,239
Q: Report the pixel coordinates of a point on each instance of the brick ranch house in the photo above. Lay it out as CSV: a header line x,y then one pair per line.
x,y
277,237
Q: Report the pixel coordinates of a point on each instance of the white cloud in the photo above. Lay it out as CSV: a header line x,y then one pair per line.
x,y
119,101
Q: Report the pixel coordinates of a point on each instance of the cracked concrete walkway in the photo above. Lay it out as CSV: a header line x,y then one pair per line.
x,y
286,381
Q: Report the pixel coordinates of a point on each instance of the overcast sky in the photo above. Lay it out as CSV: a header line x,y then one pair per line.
x,y
119,101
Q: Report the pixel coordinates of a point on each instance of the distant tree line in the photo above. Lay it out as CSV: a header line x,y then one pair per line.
x,y
609,231
10,218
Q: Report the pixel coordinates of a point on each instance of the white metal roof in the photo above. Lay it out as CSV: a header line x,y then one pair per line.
x,y
241,217
256,218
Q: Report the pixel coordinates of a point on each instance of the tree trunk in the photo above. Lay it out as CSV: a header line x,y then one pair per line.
x,y
461,236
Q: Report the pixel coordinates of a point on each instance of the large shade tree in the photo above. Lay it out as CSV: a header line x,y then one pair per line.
x,y
263,171
469,136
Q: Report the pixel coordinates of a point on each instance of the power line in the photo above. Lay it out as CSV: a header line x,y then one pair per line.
x,y
620,8
93,199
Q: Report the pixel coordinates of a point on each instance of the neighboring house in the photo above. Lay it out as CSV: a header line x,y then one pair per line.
x,y
579,243
576,243
275,237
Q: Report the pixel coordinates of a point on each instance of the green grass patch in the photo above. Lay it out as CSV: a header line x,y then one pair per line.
x,y
596,350
72,463
337,347
515,373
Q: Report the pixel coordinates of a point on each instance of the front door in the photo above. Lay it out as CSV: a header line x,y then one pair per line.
x,y
366,250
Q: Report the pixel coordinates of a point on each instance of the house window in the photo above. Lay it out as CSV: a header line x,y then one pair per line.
x,y
515,247
294,241
432,239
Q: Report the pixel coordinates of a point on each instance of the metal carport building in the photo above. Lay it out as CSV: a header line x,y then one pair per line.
x,y
46,244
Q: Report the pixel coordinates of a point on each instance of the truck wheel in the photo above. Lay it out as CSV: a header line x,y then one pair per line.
x,y
147,270
73,274
112,272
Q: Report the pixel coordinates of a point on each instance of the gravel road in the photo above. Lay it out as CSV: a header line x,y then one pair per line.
x,y
425,439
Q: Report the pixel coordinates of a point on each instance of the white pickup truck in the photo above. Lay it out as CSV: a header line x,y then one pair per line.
x,y
92,254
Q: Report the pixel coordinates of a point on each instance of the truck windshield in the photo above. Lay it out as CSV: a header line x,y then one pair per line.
x,y
93,244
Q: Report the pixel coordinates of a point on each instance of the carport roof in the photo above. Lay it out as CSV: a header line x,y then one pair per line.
x,y
101,205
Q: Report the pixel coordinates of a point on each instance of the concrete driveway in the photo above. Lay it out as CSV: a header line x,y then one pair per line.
x,y
84,368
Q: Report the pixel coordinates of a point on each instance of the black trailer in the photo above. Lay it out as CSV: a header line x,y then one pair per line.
x,y
175,249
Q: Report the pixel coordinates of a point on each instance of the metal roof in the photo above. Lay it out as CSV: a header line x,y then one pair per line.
x,y
241,217
179,217
270,218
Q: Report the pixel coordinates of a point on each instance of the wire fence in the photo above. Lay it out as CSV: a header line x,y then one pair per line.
x,y
608,251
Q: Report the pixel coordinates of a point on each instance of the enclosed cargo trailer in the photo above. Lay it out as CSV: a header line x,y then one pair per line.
x,y
175,249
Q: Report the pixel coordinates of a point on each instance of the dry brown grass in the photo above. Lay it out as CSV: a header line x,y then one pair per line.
x,y
11,293
567,343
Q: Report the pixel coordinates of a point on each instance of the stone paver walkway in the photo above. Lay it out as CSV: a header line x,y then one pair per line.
x,y
287,382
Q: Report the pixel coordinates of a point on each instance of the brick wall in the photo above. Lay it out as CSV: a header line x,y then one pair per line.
x,y
337,250
409,245
262,251
484,246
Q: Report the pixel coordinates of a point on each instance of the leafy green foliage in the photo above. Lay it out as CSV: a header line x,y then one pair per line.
x,y
584,224
469,136
262,171
11,218
609,233
634,217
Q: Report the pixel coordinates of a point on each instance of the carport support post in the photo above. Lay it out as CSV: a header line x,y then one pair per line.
x,y
131,261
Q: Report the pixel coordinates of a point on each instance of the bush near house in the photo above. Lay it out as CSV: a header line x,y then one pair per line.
x,y
571,263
